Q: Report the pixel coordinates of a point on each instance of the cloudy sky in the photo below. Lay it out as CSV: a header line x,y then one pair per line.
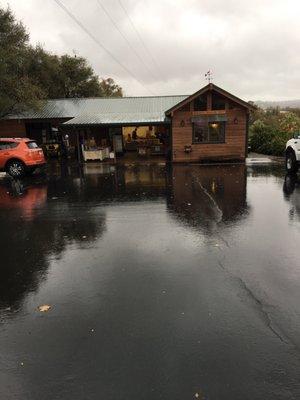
x,y
252,47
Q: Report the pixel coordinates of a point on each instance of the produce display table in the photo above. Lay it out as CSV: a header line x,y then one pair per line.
x,y
95,155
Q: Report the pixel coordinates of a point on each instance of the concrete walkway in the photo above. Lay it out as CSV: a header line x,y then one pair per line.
x,y
255,158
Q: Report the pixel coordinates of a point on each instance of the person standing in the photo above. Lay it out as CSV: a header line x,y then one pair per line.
x,y
134,134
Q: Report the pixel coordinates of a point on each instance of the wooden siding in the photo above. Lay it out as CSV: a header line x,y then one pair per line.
x,y
12,128
234,147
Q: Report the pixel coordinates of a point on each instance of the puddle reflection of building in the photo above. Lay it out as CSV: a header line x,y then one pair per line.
x,y
206,196
291,190
124,183
37,227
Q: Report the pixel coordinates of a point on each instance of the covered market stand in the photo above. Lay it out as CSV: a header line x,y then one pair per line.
x,y
211,124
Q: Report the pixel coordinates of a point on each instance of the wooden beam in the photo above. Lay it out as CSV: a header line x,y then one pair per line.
x,y
210,112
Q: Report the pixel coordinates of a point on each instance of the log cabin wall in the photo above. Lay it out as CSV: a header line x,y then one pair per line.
x,y
21,127
12,128
234,147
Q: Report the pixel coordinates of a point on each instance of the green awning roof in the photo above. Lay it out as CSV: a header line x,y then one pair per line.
x,y
118,118
106,110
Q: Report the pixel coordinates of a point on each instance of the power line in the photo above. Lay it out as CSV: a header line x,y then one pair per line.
x,y
139,36
125,38
81,25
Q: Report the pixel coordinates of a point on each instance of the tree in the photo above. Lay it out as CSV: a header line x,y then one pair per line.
x,y
30,74
110,89
290,123
68,76
44,70
18,92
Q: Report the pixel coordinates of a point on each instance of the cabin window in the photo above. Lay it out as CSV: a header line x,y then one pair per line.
x,y
209,131
200,103
218,102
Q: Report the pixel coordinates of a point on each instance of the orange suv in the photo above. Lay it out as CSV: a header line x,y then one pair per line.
x,y
19,156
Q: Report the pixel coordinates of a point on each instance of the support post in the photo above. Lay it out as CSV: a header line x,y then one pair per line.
x,y
78,148
115,154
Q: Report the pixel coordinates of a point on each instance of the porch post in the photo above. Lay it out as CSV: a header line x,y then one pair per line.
x,y
78,148
115,155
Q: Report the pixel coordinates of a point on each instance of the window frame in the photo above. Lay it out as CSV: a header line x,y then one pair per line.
x,y
207,124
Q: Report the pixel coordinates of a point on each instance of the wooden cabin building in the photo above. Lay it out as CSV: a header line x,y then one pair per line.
x,y
210,125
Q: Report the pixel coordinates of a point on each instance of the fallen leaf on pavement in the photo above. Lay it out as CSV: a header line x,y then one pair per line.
x,y
44,308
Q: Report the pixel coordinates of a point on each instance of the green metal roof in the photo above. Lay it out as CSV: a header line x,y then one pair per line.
x,y
118,118
107,110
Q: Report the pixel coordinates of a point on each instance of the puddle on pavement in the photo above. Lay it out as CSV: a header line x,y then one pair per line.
x,y
163,282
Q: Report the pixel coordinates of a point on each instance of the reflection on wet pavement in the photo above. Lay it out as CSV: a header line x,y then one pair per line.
x,y
162,282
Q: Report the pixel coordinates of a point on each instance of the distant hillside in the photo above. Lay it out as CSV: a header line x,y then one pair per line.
x,y
281,104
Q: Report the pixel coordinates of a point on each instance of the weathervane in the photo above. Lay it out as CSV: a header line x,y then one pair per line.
x,y
208,76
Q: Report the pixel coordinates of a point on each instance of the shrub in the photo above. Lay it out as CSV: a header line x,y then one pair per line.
x,y
269,134
261,136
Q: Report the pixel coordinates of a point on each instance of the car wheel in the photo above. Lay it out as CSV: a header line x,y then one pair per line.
x,y
16,169
291,162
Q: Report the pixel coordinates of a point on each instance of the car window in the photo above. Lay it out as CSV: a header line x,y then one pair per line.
x,y
32,145
3,145
8,145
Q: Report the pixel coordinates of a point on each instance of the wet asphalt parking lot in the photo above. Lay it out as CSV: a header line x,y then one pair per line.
x,y
165,283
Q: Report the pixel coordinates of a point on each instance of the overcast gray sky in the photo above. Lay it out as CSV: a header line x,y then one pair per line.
x,y
252,47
